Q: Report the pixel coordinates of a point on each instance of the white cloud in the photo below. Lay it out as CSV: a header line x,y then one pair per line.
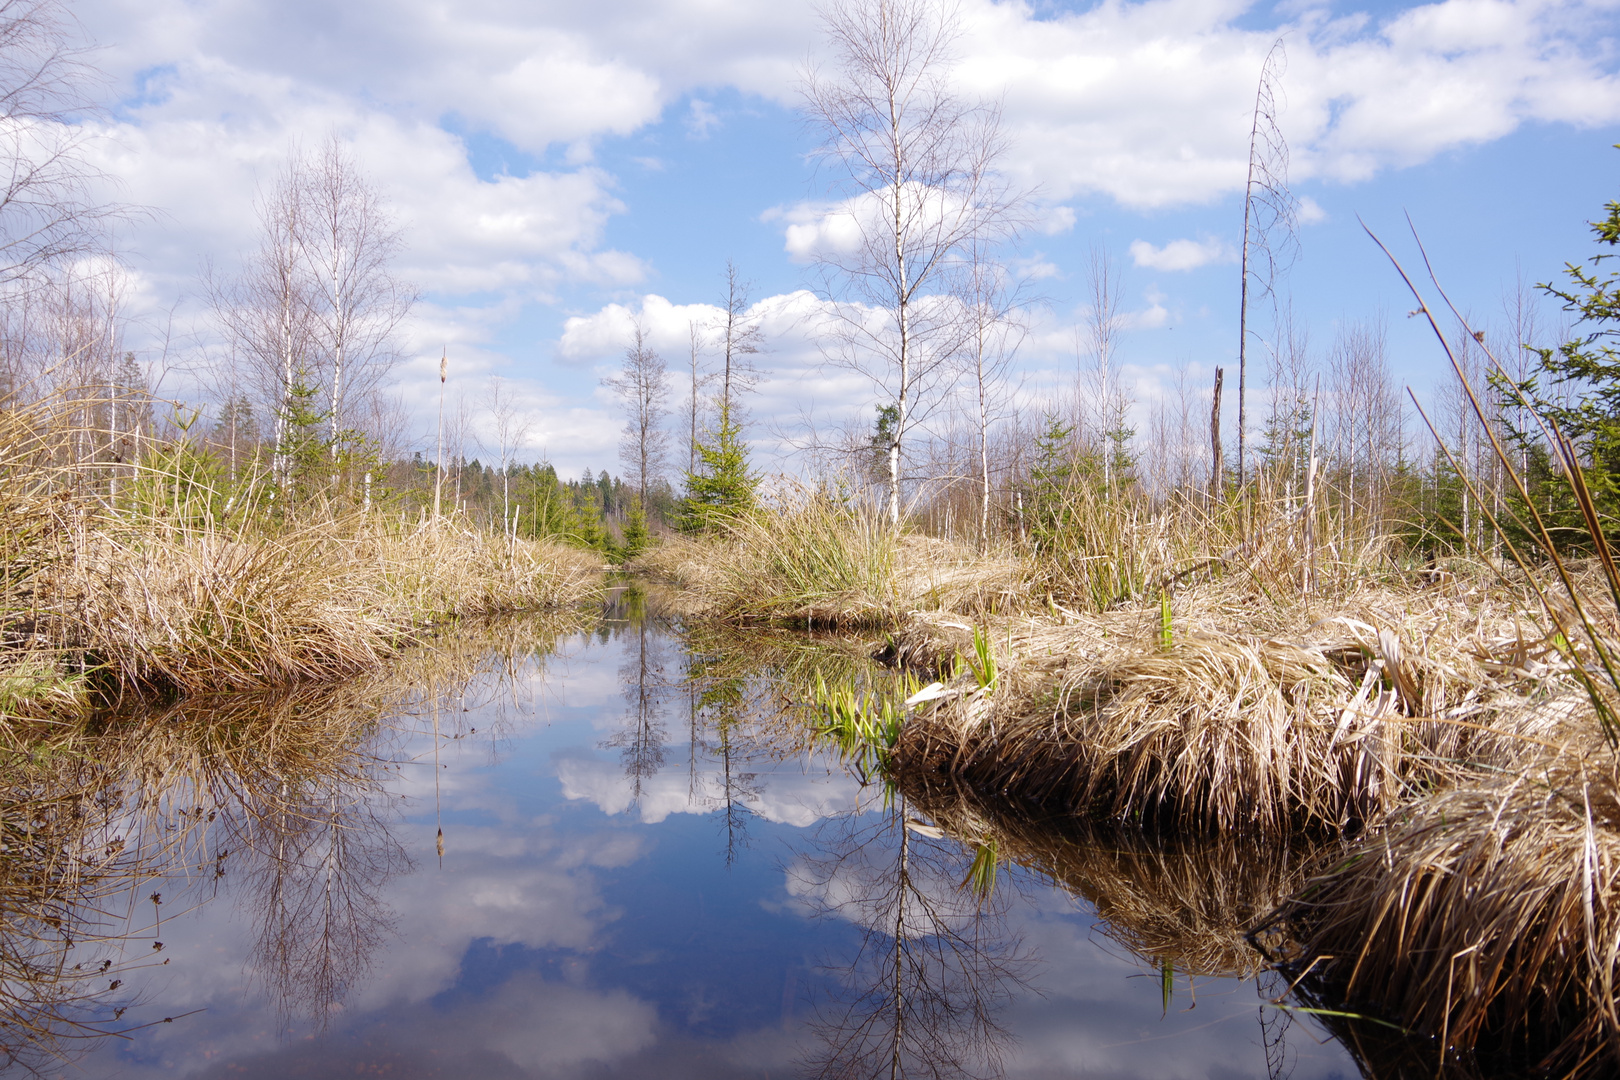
x,y
1145,103
797,800
1150,102
1180,254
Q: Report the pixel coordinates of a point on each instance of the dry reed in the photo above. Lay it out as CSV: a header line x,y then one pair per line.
x,y
138,603
1193,722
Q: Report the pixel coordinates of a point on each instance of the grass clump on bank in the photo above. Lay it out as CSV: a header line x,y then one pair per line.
x,y
119,577
808,558
1483,916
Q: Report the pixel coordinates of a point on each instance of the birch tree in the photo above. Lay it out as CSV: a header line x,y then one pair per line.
x,y
739,339
644,395
1110,404
913,181
991,305
264,312
312,318
348,244
510,428
49,213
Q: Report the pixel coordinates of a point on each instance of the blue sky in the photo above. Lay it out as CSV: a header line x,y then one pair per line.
x,y
556,165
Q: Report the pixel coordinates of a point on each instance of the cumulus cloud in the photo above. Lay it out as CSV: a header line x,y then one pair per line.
x,y
1150,102
1146,103
798,800
1180,254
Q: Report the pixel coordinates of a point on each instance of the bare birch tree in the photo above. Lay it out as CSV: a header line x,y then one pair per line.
x,y
694,400
314,314
914,178
264,312
739,338
1366,421
1108,401
511,427
348,244
1288,413
49,213
1270,216
643,394
991,305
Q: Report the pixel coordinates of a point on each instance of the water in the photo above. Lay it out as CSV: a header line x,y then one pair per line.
x,y
646,873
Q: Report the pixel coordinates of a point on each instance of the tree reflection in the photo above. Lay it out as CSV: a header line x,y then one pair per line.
x,y
641,741
159,807
65,866
319,854
935,964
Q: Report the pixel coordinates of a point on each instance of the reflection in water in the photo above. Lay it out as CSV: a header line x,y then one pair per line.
x,y
1193,908
565,937
322,853
63,862
280,793
642,738
936,961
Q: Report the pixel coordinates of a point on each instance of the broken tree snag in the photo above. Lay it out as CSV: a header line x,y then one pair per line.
x,y
1215,439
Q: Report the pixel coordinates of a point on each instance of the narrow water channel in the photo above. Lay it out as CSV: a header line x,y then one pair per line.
x,y
647,870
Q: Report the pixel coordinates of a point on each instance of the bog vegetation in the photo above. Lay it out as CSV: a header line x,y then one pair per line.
x,y
1386,635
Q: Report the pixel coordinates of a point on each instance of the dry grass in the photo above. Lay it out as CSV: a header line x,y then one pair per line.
x,y
809,560
1205,723
126,601
1483,917
119,575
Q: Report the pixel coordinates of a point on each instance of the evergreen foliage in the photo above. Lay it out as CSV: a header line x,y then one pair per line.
x,y
722,487
1575,388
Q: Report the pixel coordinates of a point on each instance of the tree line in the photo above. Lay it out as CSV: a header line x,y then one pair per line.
x,y
922,298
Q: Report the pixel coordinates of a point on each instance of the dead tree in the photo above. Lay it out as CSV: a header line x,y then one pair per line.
x,y
1270,217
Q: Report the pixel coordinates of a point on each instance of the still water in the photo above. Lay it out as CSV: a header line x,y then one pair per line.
x,y
646,871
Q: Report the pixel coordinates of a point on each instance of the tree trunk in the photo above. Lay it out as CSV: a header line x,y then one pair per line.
x,y
1217,461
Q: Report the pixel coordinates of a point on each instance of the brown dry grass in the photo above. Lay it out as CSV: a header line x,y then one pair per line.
x,y
118,575
1307,721
149,604
1484,916
808,560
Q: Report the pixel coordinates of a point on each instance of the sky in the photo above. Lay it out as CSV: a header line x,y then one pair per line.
x,y
559,169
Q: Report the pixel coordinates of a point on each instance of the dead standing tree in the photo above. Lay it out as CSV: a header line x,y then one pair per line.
x,y
1270,221
915,183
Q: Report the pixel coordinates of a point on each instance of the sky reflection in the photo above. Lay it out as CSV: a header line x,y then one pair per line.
x,y
640,878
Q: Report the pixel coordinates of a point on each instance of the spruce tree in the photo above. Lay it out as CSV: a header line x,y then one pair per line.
x,y
722,487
